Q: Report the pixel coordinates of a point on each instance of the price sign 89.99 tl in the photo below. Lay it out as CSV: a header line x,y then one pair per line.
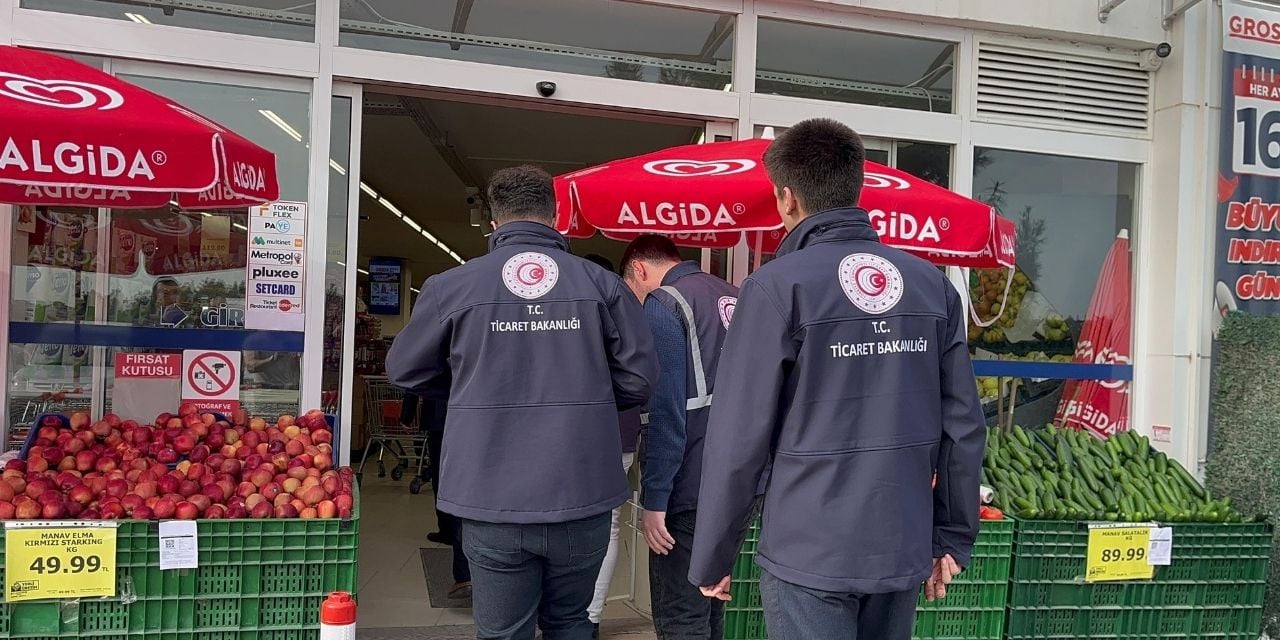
x,y
59,560
1118,552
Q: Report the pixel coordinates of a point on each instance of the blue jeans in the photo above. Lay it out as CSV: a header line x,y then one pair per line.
x,y
527,576
793,612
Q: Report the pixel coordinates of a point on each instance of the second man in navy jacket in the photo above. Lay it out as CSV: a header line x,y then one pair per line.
x,y
689,312
537,351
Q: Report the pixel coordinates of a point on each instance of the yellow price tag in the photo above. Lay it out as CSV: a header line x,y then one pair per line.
x,y
57,560
1118,552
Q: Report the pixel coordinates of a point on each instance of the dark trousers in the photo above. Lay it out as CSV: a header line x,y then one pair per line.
x,y
792,612
680,611
527,576
449,525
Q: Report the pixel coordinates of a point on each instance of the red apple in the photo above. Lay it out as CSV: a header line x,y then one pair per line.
x,y
78,420
281,461
188,409
185,443
271,490
97,484
298,473
73,446
164,508
261,511
167,456
101,429
323,462
7,492
28,510
37,487
201,501
233,436
112,511
327,509
7,511
246,489
313,496
285,511
37,464
237,512
143,513
232,467
196,471
174,424
117,488
53,511
132,501
16,465
323,436
215,512
105,465
188,488
186,511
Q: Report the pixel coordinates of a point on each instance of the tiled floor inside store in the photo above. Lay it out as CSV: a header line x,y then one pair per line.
x,y
393,590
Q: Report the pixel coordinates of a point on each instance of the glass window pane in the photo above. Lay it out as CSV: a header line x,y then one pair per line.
x,y
930,162
607,38
336,255
288,19
841,65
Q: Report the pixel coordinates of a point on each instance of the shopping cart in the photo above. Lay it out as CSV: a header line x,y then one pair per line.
x,y
382,417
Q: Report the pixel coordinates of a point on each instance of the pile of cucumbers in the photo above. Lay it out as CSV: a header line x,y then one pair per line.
x,y
1065,474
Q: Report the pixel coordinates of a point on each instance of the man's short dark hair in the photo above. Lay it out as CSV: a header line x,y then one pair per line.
x,y
600,260
821,160
522,193
650,247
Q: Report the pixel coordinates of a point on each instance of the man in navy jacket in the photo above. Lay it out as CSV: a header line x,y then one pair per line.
x,y
846,366
537,351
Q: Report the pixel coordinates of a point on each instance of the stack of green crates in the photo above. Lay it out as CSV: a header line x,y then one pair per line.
x,y
974,608
257,580
1214,587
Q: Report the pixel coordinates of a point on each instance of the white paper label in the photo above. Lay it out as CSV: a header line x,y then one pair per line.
x,y
1160,552
179,545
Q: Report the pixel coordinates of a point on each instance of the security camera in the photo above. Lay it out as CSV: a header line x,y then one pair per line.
x,y
473,201
1164,50
546,89
1151,59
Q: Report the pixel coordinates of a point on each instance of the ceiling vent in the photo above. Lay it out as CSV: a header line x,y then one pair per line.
x,y
1064,88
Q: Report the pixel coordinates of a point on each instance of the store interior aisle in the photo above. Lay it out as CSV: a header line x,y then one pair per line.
x,y
394,603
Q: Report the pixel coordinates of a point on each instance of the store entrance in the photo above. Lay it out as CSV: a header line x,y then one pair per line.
x,y
425,159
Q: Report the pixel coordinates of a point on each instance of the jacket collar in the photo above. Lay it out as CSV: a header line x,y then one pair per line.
x,y
829,226
534,233
679,271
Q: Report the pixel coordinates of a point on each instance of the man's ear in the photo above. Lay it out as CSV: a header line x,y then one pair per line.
x,y
493,224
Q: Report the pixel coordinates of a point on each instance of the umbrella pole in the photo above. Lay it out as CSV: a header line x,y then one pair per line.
x,y
759,243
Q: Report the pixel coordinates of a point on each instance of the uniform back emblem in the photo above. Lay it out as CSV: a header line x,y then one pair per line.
x,y
727,304
872,283
530,275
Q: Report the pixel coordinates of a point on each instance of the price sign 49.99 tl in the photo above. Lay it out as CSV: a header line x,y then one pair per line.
x,y
59,560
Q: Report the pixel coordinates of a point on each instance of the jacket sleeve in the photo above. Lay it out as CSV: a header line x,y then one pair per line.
x,y
419,357
964,435
665,442
633,365
757,358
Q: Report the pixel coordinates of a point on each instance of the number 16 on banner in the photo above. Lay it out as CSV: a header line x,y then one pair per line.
x,y
1255,142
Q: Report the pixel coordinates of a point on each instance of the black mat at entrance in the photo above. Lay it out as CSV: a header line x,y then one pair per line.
x,y
437,565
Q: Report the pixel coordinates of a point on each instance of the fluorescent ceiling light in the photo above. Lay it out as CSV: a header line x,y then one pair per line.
x,y
362,271
138,18
239,226
279,122
341,263
386,204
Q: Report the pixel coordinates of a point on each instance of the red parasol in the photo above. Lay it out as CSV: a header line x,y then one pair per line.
x,y
73,135
722,187
1102,406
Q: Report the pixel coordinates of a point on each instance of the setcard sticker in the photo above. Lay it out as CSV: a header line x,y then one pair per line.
x,y
275,270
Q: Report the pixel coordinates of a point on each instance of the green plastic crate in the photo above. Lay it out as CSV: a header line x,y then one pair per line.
x,y
257,580
1213,589
974,608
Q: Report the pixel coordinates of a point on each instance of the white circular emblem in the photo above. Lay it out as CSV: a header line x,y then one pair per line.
x,y
872,283
698,168
63,94
727,305
882,181
530,275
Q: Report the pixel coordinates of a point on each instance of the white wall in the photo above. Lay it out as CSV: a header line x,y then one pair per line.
x,y
1134,22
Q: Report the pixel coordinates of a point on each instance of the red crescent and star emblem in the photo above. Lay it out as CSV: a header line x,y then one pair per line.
x,y
530,275
872,283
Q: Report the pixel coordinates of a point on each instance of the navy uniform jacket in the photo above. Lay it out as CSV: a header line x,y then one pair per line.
x,y
846,366
537,351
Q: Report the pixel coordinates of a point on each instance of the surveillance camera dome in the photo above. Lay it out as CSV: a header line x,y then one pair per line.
x,y
1164,50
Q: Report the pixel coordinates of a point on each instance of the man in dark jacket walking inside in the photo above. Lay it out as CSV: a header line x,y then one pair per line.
x,y
689,312
537,351
847,367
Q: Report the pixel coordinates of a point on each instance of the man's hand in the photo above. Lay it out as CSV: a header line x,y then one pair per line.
x,y
719,591
944,570
654,524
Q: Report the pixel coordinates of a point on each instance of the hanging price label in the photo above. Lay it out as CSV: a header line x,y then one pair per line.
x,y
57,560
1118,552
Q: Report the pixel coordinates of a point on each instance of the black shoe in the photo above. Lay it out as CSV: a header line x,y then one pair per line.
x,y
439,537
595,632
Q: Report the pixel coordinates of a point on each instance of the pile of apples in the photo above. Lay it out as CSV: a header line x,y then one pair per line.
x,y
184,467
